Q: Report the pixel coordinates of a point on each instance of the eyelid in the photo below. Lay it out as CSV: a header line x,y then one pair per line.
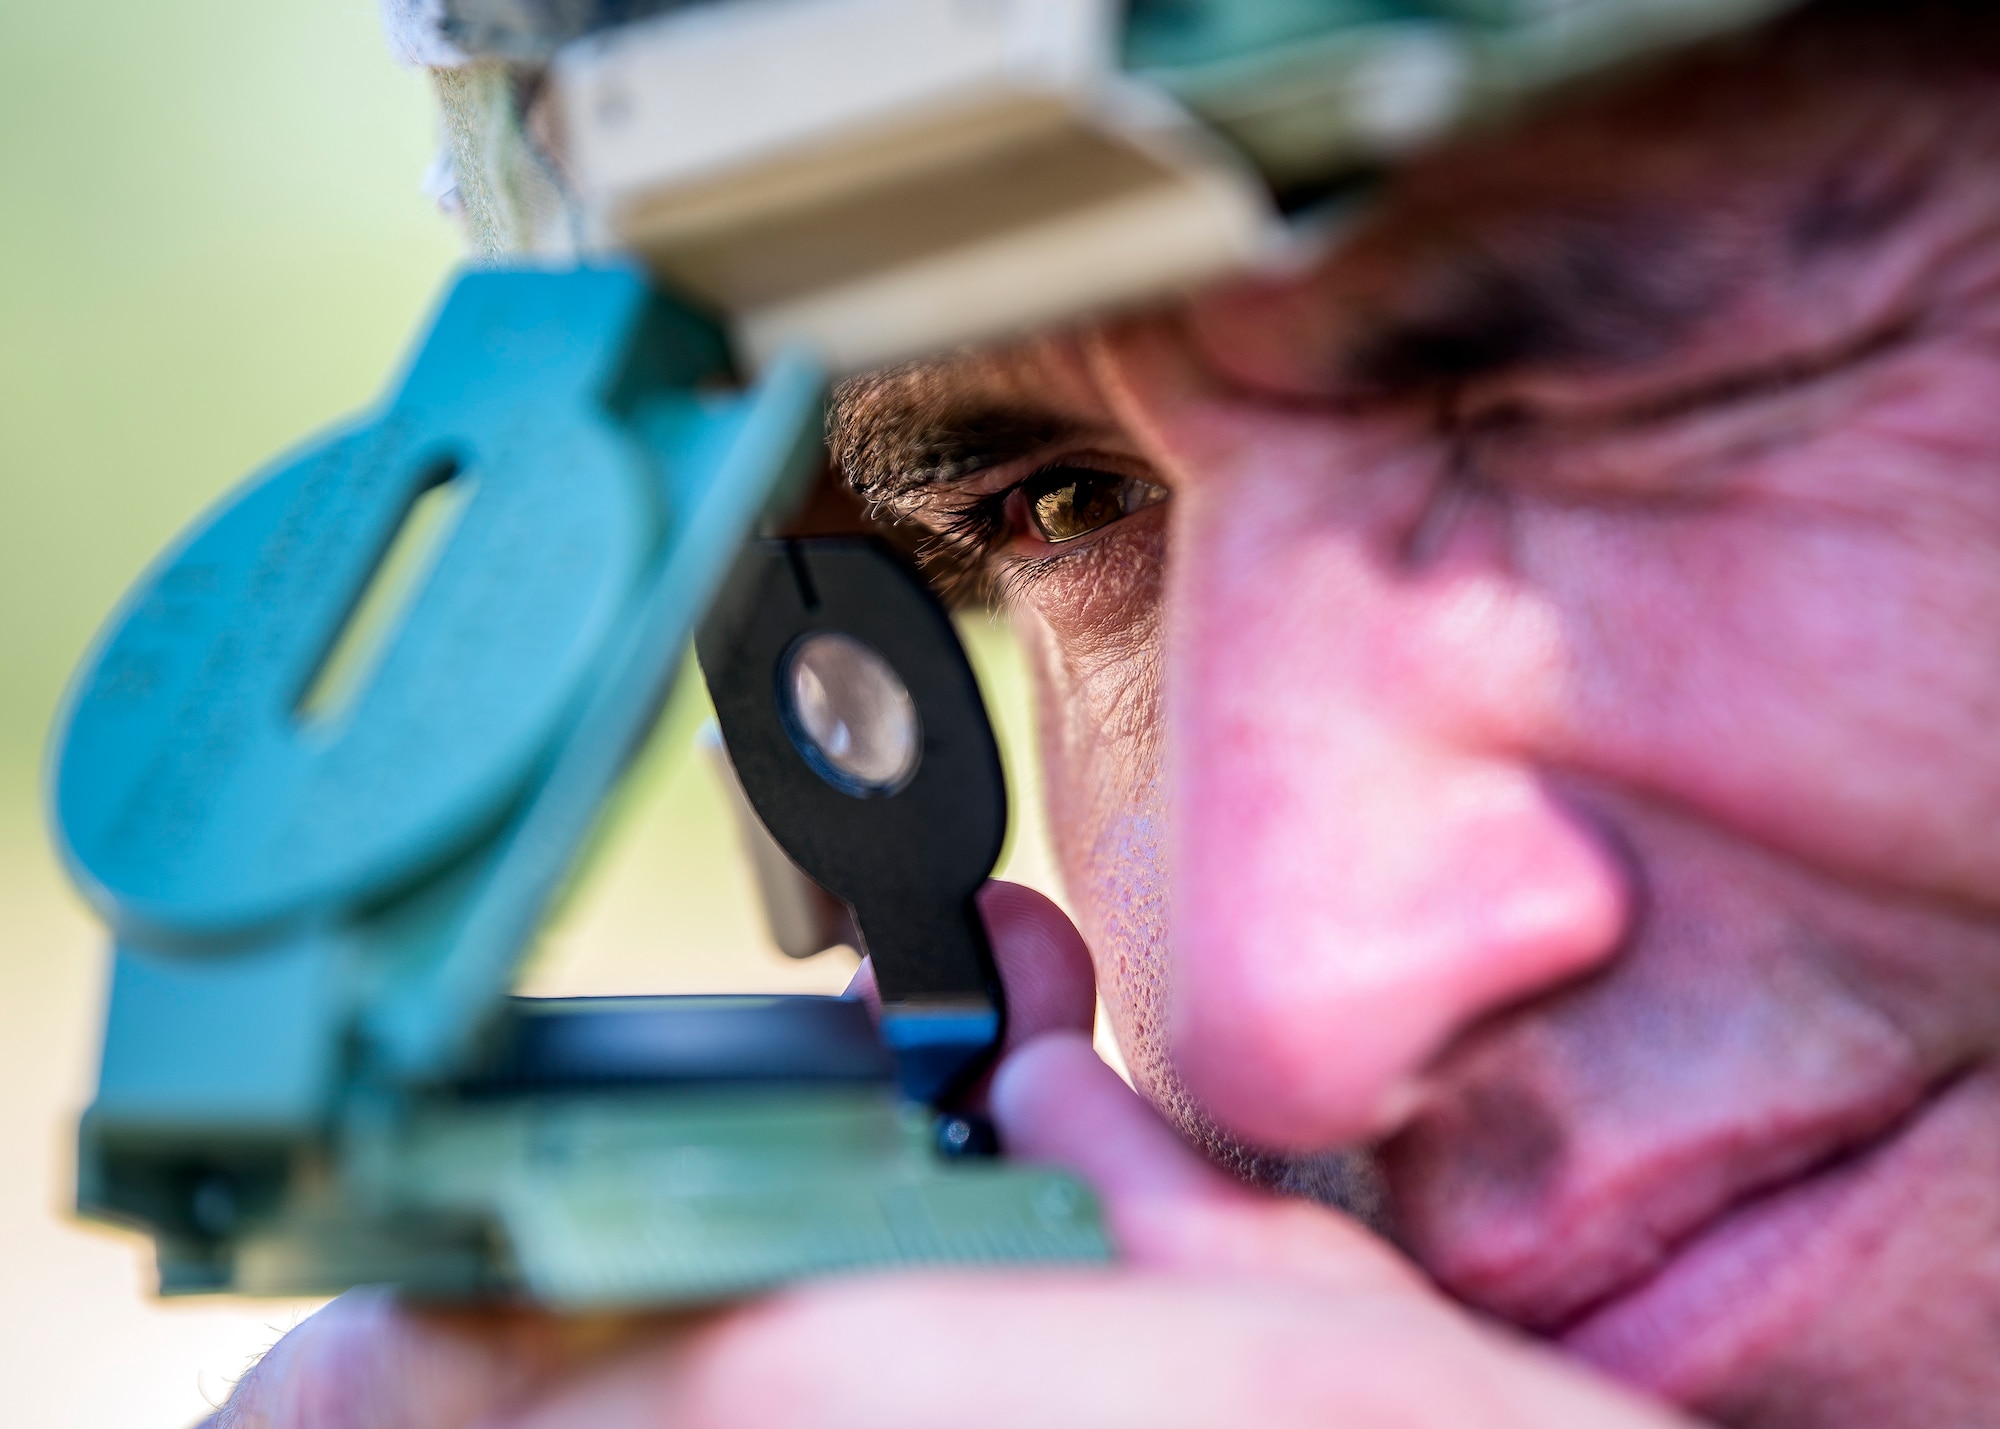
x,y
1022,525
992,495
995,529
1640,403
995,480
1699,445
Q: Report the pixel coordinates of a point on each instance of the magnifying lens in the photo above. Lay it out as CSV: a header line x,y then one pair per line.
x,y
850,714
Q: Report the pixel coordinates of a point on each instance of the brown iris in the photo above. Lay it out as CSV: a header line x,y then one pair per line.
x,y
1073,501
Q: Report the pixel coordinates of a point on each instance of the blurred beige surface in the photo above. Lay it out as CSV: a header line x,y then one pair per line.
x,y
213,242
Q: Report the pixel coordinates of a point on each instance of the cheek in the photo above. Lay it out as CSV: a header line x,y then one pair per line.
x,y
1813,662
1091,632
1917,1347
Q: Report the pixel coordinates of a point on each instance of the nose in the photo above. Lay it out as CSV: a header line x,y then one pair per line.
x,y
1368,858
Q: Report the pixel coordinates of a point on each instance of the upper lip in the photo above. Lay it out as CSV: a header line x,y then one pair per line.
x,y
1549,1252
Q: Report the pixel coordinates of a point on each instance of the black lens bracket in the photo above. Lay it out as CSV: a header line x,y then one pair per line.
x,y
905,851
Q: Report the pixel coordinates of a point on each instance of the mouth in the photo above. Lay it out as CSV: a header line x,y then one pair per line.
x,y
1746,1281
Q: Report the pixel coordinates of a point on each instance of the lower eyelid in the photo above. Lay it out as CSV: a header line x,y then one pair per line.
x,y
1699,456
1084,574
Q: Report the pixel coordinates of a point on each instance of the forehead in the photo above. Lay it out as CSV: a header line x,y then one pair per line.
x,y
1717,203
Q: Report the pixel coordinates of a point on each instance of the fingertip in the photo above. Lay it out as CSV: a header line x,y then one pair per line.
x,y
861,987
1055,1100
1031,1087
1043,963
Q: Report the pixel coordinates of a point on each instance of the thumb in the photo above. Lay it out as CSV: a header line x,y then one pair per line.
x,y
1167,1207
368,1358
1042,962
1044,965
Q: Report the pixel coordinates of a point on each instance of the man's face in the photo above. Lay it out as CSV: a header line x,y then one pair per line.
x,y
1522,693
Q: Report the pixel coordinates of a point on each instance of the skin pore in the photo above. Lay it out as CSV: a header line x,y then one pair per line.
x,y
1517,695
1550,642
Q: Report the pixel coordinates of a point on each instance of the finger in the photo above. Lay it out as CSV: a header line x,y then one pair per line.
x,y
365,1359
1043,965
1055,1101
1091,1352
862,988
368,1358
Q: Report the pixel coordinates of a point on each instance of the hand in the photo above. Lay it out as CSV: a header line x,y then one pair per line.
x,y
1229,1307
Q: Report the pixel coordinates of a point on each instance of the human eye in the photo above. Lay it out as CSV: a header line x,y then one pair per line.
x,y
1064,503
1026,525
1691,435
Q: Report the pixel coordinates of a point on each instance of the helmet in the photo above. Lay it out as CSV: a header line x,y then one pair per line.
x,y
885,177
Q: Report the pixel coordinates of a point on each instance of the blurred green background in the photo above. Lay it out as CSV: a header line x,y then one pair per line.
x,y
212,241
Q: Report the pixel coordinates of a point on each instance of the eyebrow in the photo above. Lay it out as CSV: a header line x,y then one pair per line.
x,y
1605,289
1582,291
1614,287
1591,293
897,434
